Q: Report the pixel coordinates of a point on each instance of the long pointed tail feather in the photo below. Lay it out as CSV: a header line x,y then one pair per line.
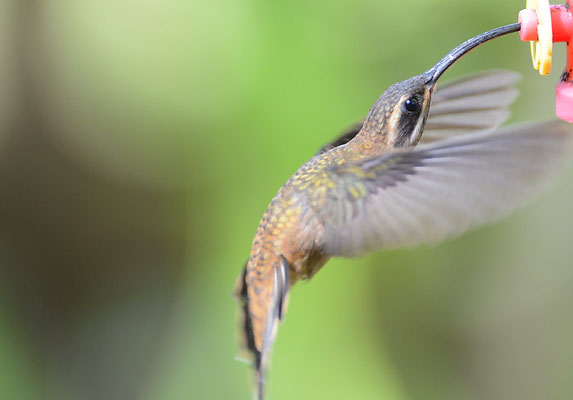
x,y
246,332
275,312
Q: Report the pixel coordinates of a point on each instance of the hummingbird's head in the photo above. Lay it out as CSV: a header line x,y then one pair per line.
x,y
398,117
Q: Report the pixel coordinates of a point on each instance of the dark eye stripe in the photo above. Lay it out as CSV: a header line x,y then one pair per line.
x,y
411,108
406,126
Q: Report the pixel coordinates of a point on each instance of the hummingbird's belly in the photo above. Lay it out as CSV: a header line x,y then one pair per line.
x,y
287,231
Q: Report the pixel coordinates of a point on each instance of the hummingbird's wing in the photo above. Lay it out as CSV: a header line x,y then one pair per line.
x,y
474,102
478,102
425,194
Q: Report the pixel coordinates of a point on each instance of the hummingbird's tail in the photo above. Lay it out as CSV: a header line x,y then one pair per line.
x,y
246,332
258,351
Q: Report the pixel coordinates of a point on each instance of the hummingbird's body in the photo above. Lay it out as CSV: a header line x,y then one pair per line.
x,y
374,189
289,235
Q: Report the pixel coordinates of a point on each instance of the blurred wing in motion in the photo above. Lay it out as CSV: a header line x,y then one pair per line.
x,y
478,102
425,194
472,103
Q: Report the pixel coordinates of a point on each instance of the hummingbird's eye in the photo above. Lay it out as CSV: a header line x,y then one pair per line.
x,y
412,105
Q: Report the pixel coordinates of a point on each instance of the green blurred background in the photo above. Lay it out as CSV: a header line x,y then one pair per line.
x,y
140,142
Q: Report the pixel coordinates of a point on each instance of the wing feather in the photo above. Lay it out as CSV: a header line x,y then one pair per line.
x,y
473,103
426,194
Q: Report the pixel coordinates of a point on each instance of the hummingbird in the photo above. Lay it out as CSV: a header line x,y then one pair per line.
x,y
374,188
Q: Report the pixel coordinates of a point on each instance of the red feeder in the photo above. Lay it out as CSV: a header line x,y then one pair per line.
x,y
542,25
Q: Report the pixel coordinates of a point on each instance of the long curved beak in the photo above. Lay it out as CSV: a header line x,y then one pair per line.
x,y
437,70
